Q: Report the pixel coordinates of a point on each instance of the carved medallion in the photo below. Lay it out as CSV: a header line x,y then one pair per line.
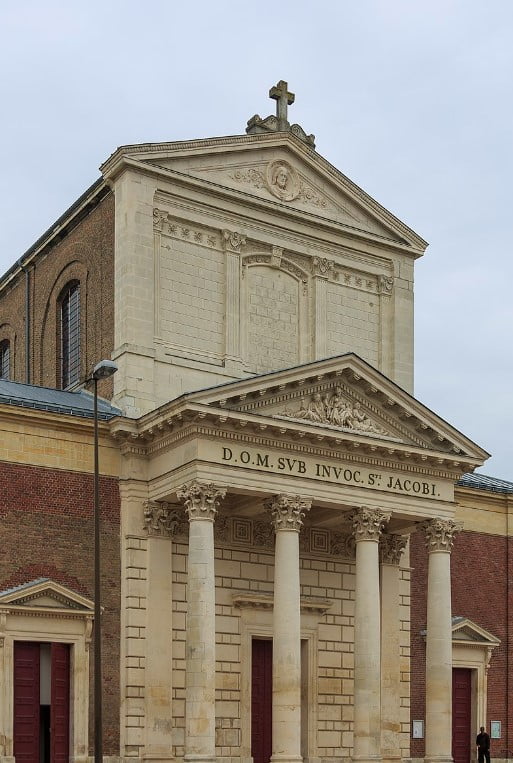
x,y
282,180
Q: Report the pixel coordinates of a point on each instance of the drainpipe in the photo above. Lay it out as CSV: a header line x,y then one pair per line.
x,y
27,321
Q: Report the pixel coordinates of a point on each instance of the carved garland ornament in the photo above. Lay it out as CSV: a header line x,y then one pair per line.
x,y
334,411
201,499
368,524
287,511
440,533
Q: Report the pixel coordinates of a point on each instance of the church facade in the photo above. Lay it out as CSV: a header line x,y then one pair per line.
x,y
285,510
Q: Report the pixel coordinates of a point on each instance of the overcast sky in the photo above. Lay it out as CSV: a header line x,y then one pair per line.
x,y
412,99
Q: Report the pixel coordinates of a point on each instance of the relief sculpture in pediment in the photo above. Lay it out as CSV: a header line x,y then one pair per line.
x,y
336,411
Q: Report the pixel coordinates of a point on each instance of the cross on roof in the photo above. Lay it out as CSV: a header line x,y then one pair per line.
x,y
283,98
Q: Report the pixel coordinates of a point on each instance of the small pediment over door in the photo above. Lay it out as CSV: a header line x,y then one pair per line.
x,y
466,632
45,595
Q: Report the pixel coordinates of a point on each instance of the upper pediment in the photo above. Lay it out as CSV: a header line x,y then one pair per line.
x,y
341,399
276,168
46,595
467,632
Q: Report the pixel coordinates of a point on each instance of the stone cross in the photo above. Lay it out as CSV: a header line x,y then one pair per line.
x,y
283,98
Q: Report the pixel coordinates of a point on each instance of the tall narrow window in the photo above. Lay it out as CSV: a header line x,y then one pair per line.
x,y
70,336
5,359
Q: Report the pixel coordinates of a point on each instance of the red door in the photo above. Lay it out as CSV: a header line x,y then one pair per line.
x,y
461,714
59,710
26,702
261,700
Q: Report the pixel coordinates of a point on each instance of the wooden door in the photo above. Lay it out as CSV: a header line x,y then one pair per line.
x,y
26,702
261,700
461,714
59,709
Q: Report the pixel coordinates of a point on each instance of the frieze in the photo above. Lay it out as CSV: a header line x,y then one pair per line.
x,y
165,223
334,411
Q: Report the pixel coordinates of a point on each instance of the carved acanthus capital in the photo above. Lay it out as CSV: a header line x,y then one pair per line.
x,y
233,240
201,499
321,266
368,524
287,511
440,533
391,548
160,518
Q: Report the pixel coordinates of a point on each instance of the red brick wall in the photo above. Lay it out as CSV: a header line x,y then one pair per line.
x,y
85,254
46,521
479,591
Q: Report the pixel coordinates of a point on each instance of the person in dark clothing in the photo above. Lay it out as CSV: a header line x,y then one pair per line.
x,y
483,746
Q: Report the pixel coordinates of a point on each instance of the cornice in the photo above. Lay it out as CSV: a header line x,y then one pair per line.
x,y
252,600
60,422
240,142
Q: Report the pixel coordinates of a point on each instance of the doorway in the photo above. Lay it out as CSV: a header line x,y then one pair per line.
x,y
41,702
461,714
261,700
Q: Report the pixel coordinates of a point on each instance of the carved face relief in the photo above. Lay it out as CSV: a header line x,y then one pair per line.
x,y
282,180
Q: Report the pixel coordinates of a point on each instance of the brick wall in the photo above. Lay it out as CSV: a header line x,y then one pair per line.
x,y
273,319
85,254
479,572
47,517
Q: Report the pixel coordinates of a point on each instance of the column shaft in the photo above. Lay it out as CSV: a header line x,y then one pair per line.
x,y
367,636
439,535
287,513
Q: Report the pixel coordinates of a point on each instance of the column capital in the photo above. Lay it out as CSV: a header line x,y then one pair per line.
x,y
368,524
391,548
440,533
160,518
201,499
287,511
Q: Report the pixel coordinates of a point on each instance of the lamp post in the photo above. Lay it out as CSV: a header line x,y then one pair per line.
x,y
102,370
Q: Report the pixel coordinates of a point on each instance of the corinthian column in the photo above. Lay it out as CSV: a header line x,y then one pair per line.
x,y
391,548
439,540
201,502
287,517
367,526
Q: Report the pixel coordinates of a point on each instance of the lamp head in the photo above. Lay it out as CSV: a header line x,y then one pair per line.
x,y
103,370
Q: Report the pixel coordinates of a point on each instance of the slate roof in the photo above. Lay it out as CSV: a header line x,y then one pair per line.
x,y
483,482
77,403
24,586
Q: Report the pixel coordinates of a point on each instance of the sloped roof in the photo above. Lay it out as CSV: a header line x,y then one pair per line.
x,y
77,403
483,482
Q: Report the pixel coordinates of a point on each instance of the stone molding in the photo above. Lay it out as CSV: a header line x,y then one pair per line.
x,y
161,519
368,524
233,240
165,223
391,548
440,533
201,499
287,511
250,600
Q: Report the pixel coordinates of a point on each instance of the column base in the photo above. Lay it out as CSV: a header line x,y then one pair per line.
x,y
284,758
367,758
198,758
438,759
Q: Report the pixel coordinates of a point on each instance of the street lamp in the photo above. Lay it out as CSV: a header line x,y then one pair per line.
x,y
102,370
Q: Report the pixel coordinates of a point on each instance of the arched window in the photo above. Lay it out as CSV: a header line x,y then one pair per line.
x,y
70,336
5,359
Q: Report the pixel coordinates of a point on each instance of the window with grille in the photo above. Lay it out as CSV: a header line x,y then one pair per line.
x,y
5,359
70,336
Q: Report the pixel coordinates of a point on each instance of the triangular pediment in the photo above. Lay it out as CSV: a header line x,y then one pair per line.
x,y
45,594
342,398
277,169
465,631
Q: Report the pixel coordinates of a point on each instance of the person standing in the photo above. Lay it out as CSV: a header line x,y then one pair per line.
x,y
483,746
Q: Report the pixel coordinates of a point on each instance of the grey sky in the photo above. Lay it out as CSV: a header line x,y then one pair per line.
x,y
412,99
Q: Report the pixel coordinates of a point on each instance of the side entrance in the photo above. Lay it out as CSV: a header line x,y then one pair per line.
x,y
461,714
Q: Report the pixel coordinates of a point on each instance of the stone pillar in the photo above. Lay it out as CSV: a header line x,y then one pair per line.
x,y
160,521
391,548
439,540
201,502
367,525
287,517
